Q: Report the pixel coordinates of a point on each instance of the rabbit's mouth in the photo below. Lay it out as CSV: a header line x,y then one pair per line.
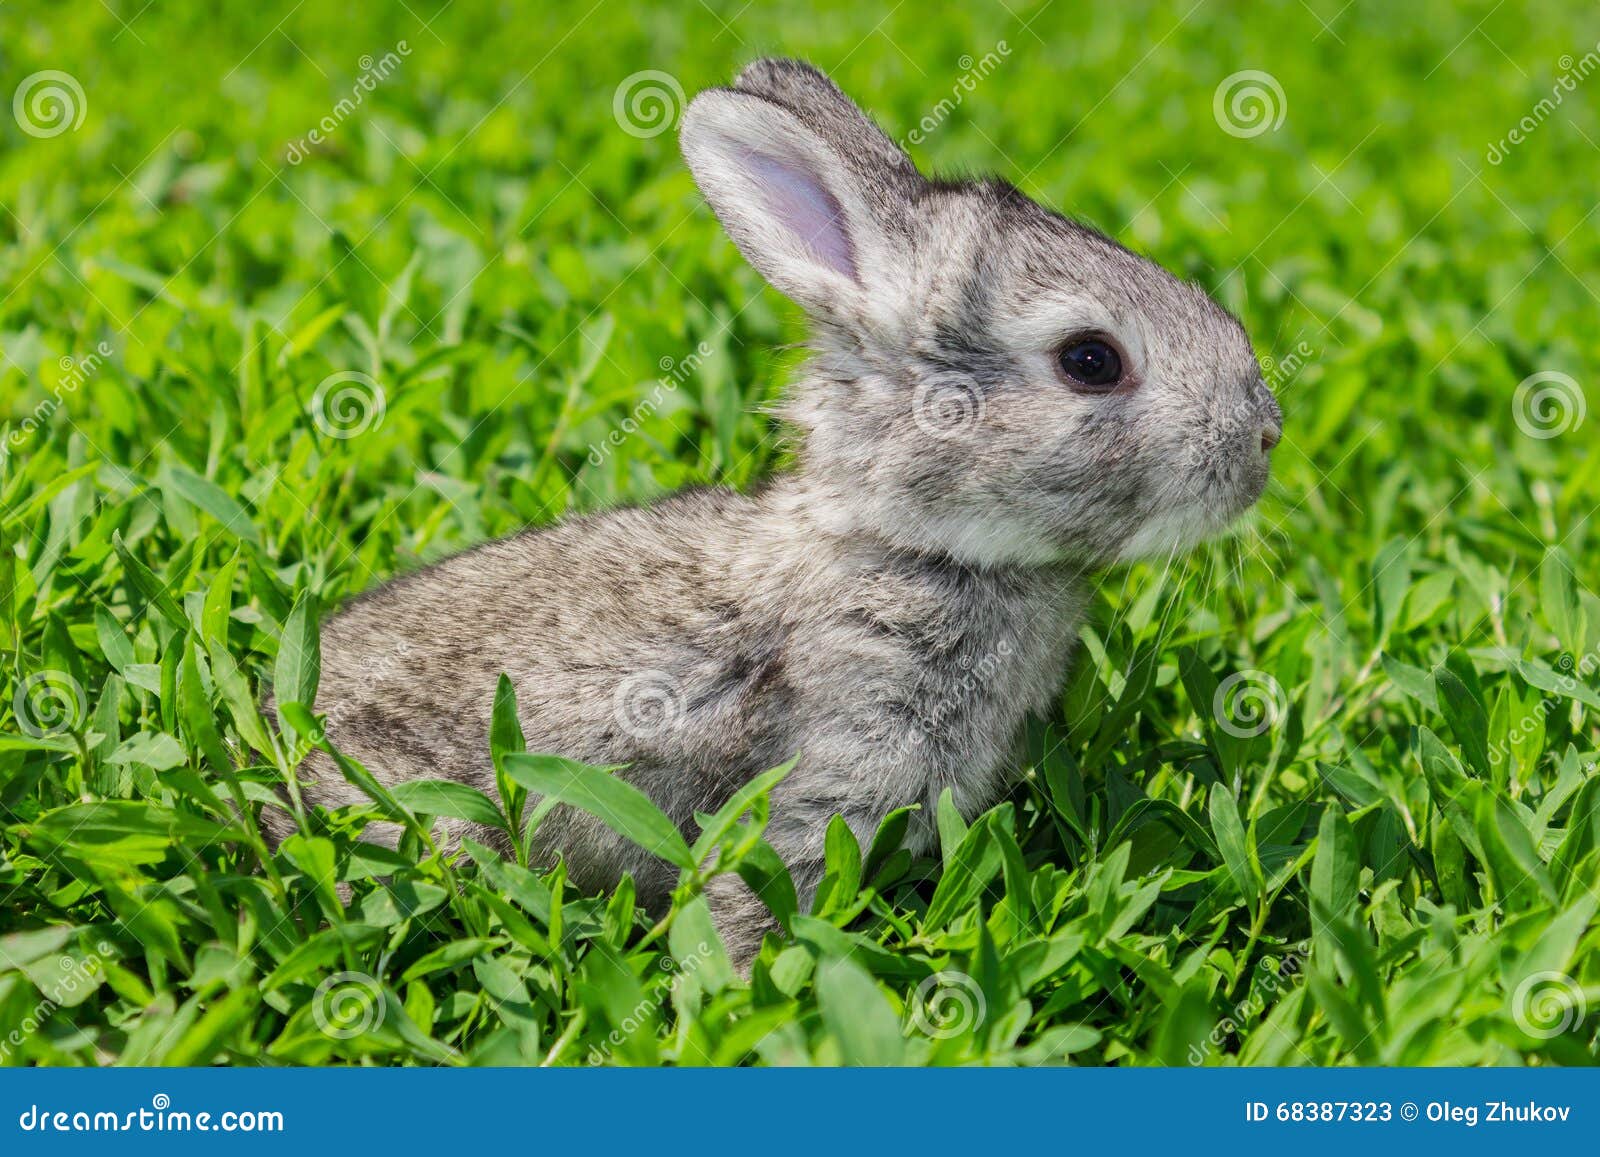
x,y
1249,488
1205,512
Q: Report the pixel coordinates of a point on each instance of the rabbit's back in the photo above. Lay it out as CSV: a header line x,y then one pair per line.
x,y
622,634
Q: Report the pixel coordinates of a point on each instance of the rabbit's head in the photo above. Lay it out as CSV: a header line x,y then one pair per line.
x,y
991,380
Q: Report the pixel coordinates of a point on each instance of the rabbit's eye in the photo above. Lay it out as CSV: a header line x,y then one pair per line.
x,y
1091,362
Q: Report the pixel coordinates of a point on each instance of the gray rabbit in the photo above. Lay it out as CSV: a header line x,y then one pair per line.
x,y
999,402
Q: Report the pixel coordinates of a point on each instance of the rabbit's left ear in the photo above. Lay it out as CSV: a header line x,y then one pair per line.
x,y
826,228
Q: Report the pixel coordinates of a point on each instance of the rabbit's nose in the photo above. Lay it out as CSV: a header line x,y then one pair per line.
x,y
1271,422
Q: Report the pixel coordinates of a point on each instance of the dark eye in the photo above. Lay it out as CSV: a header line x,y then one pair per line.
x,y
1091,362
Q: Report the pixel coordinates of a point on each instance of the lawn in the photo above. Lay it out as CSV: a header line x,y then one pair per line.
x,y
300,300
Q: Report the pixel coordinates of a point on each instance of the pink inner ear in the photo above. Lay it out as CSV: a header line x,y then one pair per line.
x,y
806,208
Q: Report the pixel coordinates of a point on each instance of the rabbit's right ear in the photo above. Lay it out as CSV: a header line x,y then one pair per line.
x,y
827,230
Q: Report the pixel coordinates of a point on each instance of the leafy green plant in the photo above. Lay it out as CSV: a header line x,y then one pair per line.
x,y
1323,794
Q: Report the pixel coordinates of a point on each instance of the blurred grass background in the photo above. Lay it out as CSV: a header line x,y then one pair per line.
x,y
483,235
1369,224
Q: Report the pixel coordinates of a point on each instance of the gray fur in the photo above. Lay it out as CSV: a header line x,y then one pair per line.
x,y
893,608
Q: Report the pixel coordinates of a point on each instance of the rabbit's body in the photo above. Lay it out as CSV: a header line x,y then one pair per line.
x,y
700,641
999,402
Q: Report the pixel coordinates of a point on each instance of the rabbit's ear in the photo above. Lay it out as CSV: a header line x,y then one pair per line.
x,y
833,116
826,226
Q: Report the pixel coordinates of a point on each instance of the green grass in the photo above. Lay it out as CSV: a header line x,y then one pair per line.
x,y
1396,863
